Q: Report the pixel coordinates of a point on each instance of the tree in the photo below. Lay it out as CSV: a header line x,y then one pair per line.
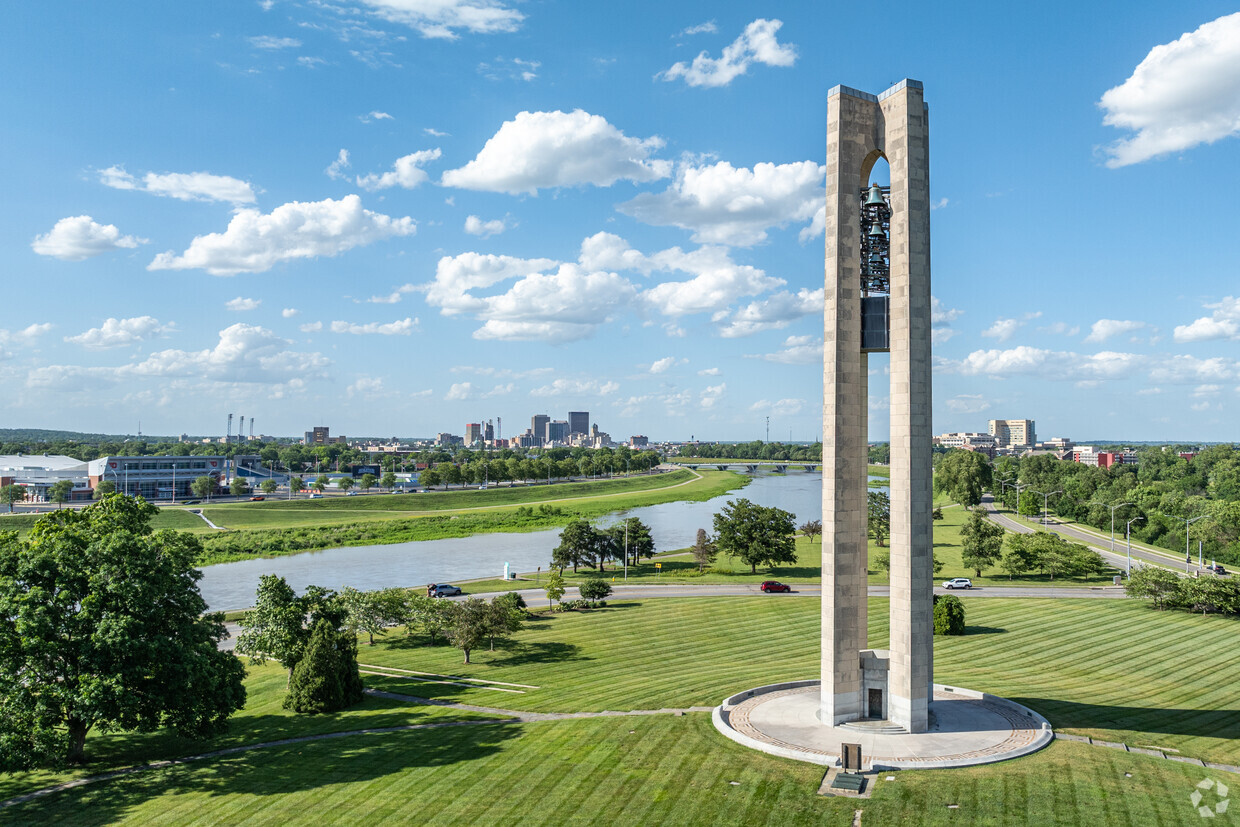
x,y
269,486
936,514
595,589
344,483
326,679
468,623
275,627
981,543
106,487
387,481
704,550
12,494
948,615
878,515
102,626
505,615
60,491
580,543
811,529
367,482
1158,584
372,612
634,535
1020,556
202,486
239,487
756,534
554,587
321,482
297,485
963,475
429,478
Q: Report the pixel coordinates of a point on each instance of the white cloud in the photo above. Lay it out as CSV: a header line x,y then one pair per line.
x,y
484,229
184,186
26,336
1002,329
941,318
709,372
310,62
1184,93
435,133
255,242
310,327
731,205
1061,329
968,403
502,389
514,69
708,27
289,312
938,205
797,350
456,276
375,115
1224,323
404,327
240,304
1207,390
1104,329
267,41
336,169
367,386
712,393
79,237
817,225
459,391
576,387
444,18
1104,365
244,353
757,44
406,172
666,363
538,150
774,313
783,407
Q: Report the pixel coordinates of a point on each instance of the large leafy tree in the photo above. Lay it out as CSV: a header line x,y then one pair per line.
x,y
12,494
469,623
878,516
963,475
60,491
632,535
756,534
580,543
981,543
102,627
280,624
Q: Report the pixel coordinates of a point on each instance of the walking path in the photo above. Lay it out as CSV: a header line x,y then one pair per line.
x,y
198,512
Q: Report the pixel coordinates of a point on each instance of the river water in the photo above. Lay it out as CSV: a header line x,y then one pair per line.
x,y
673,525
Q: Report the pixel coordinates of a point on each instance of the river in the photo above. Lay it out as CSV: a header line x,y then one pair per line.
x,y
673,525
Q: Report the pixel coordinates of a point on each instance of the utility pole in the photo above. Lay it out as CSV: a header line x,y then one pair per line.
x,y
768,429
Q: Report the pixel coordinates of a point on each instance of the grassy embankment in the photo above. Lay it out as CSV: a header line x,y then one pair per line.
x,y
1095,667
678,566
274,528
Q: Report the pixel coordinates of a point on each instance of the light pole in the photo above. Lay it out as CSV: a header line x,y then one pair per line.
x,y
1112,507
1018,487
1003,486
1046,498
1128,536
1188,555
626,551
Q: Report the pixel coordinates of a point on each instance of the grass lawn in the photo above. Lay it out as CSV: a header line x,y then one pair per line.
x,y
659,770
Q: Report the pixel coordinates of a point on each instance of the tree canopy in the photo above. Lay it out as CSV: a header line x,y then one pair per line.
x,y
962,475
756,534
102,626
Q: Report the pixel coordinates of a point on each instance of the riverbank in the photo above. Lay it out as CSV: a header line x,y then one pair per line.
x,y
311,525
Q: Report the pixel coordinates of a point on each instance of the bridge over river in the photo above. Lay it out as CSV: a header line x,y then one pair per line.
x,y
752,466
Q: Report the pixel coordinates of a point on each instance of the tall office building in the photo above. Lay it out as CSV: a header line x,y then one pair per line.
x,y
538,427
473,433
1013,433
578,422
557,431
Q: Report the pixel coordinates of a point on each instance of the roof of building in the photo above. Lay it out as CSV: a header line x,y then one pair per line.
x,y
38,462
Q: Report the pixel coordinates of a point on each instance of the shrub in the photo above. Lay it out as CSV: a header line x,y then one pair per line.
x,y
594,589
326,678
948,615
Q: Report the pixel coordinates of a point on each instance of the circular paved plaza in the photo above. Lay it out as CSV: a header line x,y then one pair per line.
x,y
966,728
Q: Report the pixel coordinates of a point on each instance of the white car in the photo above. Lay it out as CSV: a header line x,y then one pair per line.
x,y
958,583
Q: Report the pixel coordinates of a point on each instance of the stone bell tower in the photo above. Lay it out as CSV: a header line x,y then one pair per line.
x,y
877,300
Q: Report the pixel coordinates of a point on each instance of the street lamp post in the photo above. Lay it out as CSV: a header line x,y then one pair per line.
x,y
1128,537
1046,498
1188,555
1018,487
1112,507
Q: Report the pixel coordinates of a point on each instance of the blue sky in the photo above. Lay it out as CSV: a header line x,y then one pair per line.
x,y
394,217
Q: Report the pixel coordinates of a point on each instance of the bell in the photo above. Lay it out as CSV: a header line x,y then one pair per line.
x,y
876,231
875,198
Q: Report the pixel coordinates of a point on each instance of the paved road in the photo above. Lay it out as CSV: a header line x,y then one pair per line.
x,y
1119,558
534,597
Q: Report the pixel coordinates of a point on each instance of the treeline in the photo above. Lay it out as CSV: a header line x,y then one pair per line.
x,y
776,451
1167,590
520,469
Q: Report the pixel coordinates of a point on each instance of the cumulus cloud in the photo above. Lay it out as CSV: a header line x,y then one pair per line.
x,y
774,313
1002,329
394,297
708,27
1104,329
444,19
184,186
80,237
240,304
1060,329
406,172
310,327
1104,365
576,387
26,336
782,407
724,204
797,350
540,150
289,312
712,394
941,318
374,115
404,327
709,372
367,386
1224,323
255,242
757,44
459,391
502,389
666,363
244,353
336,169
484,229
1184,93
968,403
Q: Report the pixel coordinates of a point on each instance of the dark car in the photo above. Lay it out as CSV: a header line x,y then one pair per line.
x,y
445,590
769,586
1217,569
190,502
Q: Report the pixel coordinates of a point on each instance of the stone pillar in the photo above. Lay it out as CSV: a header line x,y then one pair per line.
x,y
862,128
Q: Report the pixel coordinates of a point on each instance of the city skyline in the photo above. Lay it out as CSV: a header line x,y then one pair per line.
x,y
395,218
